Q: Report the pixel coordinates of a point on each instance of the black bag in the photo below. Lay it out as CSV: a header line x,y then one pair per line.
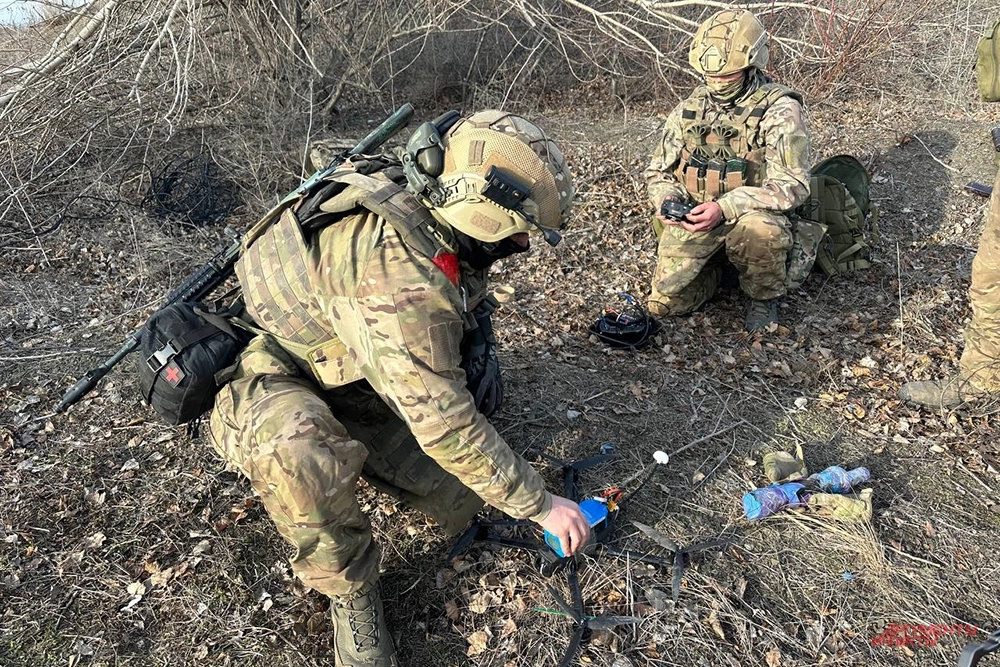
x,y
628,328
183,349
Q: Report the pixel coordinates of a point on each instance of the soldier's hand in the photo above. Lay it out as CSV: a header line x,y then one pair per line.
x,y
567,522
659,207
703,217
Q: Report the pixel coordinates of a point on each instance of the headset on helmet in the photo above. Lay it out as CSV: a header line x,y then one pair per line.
x,y
423,158
489,176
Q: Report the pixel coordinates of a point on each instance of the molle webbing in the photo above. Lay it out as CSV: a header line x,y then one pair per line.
x,y
273,269
724,152
275,277
843,249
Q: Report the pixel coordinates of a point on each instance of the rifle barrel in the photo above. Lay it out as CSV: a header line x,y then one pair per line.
x,y
214,272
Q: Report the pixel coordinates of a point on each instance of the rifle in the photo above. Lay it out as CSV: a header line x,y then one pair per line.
x,y
220,267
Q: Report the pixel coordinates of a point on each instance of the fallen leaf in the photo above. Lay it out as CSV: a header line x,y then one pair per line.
x,y
477,643
137,588
94,541
773,658
713,622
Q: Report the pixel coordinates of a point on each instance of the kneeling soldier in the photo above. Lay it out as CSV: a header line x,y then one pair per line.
x,y
738,149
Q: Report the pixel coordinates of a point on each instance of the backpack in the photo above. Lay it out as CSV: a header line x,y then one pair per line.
x,y
987,70
839,200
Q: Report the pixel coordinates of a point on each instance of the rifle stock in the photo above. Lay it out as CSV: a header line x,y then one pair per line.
x,y
215,272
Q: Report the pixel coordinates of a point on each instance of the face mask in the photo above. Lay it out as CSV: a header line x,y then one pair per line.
x,y
481,255
726,90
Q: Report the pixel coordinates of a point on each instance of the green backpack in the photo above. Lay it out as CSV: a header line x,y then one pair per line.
x,y
987,71
839,201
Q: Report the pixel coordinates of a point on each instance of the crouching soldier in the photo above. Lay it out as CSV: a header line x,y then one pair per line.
x,y
367,291
738,150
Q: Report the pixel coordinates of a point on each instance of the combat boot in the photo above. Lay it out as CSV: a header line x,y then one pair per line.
x,y
933,394
360,636
761,313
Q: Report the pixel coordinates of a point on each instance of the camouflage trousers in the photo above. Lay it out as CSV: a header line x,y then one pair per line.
x,y
980,363
303,450
689,264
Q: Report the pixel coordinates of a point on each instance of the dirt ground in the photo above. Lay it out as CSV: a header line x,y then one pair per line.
x,y
126,542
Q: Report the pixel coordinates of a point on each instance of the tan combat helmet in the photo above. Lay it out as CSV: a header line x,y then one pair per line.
x,y
729,41
500,175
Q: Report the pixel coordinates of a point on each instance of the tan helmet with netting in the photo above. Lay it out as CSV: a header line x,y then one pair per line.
x,y
729,41
517,152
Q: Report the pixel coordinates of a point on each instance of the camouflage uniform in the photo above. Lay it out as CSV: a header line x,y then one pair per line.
x,y
766,128
979,368
980,363
361,349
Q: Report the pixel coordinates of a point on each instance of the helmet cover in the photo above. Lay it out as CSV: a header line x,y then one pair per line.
x,y
728,42
522,152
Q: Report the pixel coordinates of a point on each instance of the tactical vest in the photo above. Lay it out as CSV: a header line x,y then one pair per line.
x,y
724,152
273,267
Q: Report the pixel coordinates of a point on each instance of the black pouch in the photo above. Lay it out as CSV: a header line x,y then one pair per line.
x,y
480,362
182,351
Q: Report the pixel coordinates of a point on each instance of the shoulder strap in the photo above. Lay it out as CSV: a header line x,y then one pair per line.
x,y
752,110
390,201
694,105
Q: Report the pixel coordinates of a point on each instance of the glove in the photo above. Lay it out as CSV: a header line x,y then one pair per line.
x,y
850,509
480,362
782,466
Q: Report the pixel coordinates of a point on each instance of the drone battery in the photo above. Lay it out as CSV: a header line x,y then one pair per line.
x,y
596,513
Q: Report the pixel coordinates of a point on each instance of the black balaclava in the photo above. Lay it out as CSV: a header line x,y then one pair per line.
x,y
481,254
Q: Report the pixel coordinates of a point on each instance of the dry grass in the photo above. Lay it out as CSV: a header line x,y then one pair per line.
x,y
95,504
224,593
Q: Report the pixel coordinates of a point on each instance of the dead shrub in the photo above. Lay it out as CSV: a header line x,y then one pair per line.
x,y
90,97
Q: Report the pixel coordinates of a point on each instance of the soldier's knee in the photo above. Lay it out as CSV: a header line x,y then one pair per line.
x,y
759,233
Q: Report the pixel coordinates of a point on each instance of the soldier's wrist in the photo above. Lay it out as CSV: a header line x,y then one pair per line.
x,y
543,510
729,212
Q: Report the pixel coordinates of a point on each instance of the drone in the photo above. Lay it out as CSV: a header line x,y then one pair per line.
x,y
603,512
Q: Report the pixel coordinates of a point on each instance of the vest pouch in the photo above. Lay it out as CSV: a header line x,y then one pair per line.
x,y
715,173
736,173
692,182
329,362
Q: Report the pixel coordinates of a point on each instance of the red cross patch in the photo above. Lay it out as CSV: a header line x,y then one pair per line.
x,y
173,374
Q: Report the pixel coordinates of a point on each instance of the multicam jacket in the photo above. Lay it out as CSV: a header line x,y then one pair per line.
x,y
354,301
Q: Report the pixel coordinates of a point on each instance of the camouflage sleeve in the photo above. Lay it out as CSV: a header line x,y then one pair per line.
x,y
407,331
659,175
786,157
